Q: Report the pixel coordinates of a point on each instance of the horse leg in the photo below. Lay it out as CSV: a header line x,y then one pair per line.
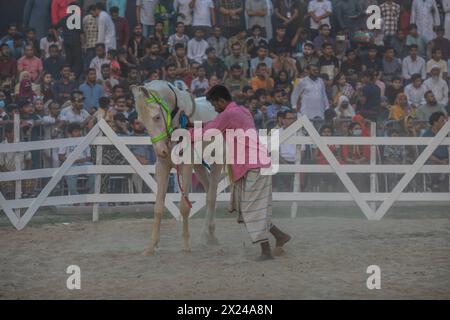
x,y
207,235
162,177
186,178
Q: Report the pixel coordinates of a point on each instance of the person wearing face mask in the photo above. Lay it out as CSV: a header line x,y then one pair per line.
x,y
431,106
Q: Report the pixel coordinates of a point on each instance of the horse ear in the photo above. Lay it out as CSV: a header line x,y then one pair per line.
x,y
135,90
145,92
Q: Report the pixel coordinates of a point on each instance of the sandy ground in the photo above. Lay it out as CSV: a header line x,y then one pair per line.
x,y
326,259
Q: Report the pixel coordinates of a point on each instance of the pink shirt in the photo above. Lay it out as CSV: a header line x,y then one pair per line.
x,y
237,117
32,65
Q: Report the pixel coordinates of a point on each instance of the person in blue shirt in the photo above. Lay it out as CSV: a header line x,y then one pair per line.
x,y
91,90
278,104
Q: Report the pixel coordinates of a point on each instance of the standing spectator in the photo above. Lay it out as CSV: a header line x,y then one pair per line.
x,y
106,27
145,15
390,13
218,42
283,63
29,62
180,60
400,109
424,13
84,159
370,97
309,57
235,82
286,13
184,13
319,12
90,32
394,89
328,63
446,7
278,104
37,15
398,42
309,96
255,41
119,4
431,106
413,64
257,11
63,88
91,91
59,9
322,38
200,84
75,113
415,91
204,15
171,77
122,28
8,65
348,14
214,65
279,41
439,86
197,47
152,60
261,58
231,12
137,43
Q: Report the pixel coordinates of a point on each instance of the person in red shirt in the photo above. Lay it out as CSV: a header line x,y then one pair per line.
x,y
122,28
59,9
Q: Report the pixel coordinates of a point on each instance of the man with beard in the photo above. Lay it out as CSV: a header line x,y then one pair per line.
x,y
309,57
437,85
425,111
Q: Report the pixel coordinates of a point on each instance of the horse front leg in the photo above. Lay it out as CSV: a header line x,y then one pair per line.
x,y
185,210
211,199
162,178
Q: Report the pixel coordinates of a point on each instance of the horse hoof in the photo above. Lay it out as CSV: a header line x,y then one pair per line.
x,y
210,240
278,251
186,250
149,252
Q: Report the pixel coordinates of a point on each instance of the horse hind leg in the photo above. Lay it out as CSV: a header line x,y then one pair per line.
x,y
185,210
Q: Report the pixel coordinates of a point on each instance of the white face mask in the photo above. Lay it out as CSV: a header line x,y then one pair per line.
x,y
357,132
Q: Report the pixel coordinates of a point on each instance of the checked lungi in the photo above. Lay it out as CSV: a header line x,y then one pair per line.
x,y
251,198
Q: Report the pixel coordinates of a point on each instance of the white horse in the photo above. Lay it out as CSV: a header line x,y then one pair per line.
x,y
160,105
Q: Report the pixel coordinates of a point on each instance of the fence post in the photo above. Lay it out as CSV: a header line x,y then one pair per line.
x,y
17,162
297,178
98,177
373,162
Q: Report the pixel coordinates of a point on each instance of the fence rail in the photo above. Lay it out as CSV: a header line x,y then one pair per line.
x,y
103,135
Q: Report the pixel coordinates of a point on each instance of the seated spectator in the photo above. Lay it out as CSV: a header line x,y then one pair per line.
x,y
441,42
344,109
413,64
328,63
197,47
341,88
398,43
237,57
75,113
99,59
84,159
278,104
369,101
29,62
436,59
391,66
160,38
214,65
323,38
372,62
401,108
171,77
218,42
283,62
327,181
179,37
180,60
255,41
439,86
439,181
309,57
261,57
200,84
262,80
54,62
415,91
431,106
152,60
107,81
414,38
394,89
351,66
280,40
52,39
258,116
236,81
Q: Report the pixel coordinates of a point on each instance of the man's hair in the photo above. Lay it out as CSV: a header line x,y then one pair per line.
x,y
72,127
256,26
260,65
105,65
322,26
236,44
218,92
170,65
277,90
413,46
73,93
53,46
325,45
179,23
412,26
325,126
179,46
309,44
103,102
209,50
90,70
396,79
65,66
288,111
416,76
235,67
435,116
100,6
260,93
427,93
434,50
119,97
114,10
100,45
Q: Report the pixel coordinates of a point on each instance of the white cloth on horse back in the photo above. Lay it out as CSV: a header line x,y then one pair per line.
x,y
251,198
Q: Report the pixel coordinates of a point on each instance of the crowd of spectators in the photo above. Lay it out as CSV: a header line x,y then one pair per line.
x,y
280,59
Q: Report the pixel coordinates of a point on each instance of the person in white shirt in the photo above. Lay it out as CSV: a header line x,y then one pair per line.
x,y
145,15
197,47
204,15
99,60
106,27
413,64
437,85
415,91
184,12
320,12
309,95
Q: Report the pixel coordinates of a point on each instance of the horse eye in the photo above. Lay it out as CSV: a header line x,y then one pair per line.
x,y
157,118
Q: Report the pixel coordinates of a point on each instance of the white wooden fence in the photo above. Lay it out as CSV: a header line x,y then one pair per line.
x,y
102,135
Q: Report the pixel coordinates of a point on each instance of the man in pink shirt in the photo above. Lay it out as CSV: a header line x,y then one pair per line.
x,y
29,62
251,191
